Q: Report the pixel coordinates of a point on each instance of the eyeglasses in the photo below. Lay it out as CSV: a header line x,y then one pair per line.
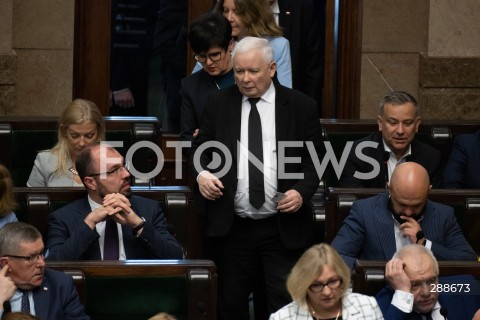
x,y
30,259
318,287
114,171
214,56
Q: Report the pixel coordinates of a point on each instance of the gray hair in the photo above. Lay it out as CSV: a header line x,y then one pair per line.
x,y
252,43
416,249
398,98
13,233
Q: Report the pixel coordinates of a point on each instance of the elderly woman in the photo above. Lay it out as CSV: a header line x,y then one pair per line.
x,y
7,198
319,285
80,125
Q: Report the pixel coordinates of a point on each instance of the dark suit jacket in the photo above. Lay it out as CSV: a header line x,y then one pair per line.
x,y
57,298
458,306
70,238
194,91
422,153
304,28
463,168
296,119
367,233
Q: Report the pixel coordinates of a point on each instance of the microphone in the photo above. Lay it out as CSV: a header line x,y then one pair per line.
x,y
444,312
386,157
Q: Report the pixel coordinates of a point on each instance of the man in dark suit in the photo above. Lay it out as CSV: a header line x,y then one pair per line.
x,y
413,293
211,40
269,228
303,25
46,293
110,217
398,121
462,170
378,226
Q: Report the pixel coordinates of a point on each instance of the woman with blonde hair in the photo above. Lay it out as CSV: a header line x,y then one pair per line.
x,y
7,198
254,18
80,125
319,286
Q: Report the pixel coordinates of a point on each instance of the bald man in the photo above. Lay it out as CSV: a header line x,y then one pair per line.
x,y
412,273
380,225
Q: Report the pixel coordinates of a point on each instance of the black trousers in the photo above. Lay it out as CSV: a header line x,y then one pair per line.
x,y
252,258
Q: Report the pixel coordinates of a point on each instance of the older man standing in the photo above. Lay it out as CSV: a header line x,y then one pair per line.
x,y
258,215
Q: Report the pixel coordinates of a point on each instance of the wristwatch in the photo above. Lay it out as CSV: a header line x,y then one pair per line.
x,y
421,238
139,226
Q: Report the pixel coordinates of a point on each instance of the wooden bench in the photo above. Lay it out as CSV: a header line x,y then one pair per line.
x,y
35,204
368,277
466,204
138,289
21,138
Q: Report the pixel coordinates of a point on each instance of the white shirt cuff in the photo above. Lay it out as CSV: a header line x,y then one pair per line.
x,y
201,174
403,300
428,244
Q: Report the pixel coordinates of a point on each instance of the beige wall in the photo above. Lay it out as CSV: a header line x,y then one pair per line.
x,y
37,40
429,48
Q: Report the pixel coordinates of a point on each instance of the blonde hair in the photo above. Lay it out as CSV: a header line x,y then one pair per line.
x,y
77,112
256,16
162,316
310,266
7,198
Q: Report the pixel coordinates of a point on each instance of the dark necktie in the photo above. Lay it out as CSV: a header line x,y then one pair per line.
x,y
255,146
110,246
25,302
427,315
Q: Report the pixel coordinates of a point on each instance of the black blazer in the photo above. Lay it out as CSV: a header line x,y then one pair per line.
x,y
303,25
296,119
70,238
422,153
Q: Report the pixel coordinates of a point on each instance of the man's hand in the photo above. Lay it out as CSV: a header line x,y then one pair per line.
x,y
396,276
210,186
7,286
195,133
410,228
124,98
96,216
291,202
121,209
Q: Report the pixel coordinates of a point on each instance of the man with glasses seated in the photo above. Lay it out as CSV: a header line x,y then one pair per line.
x,y
416,293
26,284
211,40
109,223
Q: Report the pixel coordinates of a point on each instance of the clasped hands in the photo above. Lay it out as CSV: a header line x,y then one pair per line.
x,y
117,206
211,188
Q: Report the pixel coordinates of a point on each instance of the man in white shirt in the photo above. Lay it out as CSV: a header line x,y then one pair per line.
x,y
413,276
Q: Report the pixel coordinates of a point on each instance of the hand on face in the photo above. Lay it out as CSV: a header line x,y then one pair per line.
x,y
410,228
7,286
396,275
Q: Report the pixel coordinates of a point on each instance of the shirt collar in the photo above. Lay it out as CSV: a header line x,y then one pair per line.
x,y
268,96
387,148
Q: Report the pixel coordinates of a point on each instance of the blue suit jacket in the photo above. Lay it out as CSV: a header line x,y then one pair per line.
x,y
57,298
70,238
458,306
367,233
463,168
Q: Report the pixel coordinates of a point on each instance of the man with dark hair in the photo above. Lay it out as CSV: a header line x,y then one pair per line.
x,y
110,223
398,121
37,290
211,40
